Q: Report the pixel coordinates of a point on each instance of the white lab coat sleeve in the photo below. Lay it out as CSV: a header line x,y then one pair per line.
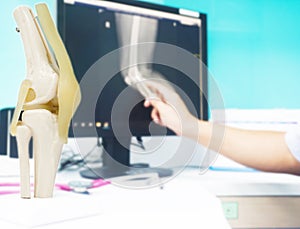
x,y
292,138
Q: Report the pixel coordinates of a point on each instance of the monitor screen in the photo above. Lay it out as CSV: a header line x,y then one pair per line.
x,y
109,40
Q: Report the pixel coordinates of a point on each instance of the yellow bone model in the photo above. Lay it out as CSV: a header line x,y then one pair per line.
x,y
48,97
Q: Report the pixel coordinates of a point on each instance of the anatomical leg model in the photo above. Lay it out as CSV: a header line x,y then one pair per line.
x,y
47,100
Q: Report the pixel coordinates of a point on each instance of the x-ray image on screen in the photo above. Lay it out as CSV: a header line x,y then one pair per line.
x,y
139,34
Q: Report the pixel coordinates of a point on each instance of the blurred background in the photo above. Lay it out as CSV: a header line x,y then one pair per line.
x,y
253,50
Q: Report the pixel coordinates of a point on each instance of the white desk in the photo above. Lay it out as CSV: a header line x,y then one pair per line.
x,y
187,201
182,203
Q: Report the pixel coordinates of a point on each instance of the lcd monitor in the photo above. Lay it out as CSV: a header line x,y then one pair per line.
x,y
109,41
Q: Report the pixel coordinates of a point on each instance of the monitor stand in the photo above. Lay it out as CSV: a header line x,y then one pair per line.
x,y
116,162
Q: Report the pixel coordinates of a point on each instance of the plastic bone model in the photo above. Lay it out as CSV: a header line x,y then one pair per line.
x,y
47,100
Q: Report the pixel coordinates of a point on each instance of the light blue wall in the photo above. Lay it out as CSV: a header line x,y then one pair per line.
x,y
254,50
12,58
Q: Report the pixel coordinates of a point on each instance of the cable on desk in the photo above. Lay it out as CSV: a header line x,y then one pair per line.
x,y
74,161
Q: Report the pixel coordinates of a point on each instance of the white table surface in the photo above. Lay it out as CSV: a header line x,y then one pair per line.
x,y
190,200
182,203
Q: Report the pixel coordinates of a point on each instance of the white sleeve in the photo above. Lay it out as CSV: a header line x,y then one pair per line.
x,y
292,138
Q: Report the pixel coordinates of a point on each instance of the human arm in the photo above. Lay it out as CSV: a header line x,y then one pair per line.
x,y
262,150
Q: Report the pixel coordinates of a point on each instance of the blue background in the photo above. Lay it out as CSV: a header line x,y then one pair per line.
x,y
253,50
12,57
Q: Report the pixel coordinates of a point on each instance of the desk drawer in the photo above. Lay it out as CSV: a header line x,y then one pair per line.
x,y
262,211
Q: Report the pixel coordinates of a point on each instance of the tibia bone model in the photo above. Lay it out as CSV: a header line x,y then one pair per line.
x,y
47,100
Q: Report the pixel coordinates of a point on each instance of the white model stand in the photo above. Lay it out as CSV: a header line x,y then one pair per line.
x,y
48,98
